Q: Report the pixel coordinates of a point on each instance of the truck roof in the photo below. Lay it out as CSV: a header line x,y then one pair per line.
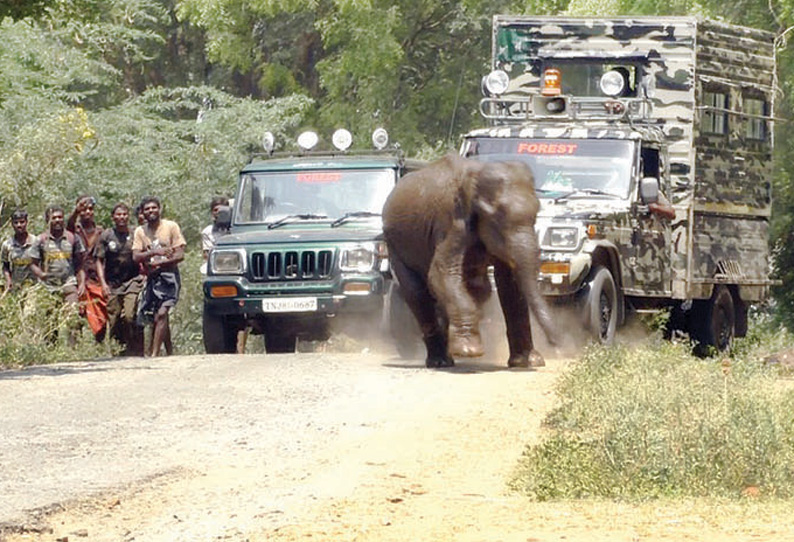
x,y
647,133
325,161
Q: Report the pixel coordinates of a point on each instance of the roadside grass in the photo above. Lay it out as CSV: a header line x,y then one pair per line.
x,y
653,420
35,326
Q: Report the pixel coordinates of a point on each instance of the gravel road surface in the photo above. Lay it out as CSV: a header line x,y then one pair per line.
x,y
261,425
329,447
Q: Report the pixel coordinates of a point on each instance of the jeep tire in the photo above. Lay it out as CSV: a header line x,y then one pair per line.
x,y
219,333
280,342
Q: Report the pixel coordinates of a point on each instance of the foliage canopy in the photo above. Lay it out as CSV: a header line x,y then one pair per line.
x,y
123,97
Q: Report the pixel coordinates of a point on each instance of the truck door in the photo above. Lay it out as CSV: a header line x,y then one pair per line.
x,y
650,264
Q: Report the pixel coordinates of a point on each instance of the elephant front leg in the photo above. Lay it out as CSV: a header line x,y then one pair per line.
x,y
460,308
516,312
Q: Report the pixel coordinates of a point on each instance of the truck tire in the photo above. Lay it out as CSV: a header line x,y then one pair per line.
x,y
220,335
280,342
601,306
402,325
714,322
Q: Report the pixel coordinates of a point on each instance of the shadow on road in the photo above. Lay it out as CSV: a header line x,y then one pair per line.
x,y
461,367
69,369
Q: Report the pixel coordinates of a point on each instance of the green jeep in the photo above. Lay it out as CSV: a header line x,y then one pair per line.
x,y
305,244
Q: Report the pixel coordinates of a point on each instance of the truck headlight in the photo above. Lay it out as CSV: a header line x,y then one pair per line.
x,y
561,237
227,262
358,258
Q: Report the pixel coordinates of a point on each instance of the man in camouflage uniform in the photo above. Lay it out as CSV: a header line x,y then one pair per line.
x,y
58,256
15,253
121,280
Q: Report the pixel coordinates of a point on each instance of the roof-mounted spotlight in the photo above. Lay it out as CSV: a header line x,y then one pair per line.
x,y
308,140
613,83
496,83
268,142
380,138
342,139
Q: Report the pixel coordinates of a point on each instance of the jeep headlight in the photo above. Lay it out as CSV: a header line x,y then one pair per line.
x,y
358,258
561,237
227,262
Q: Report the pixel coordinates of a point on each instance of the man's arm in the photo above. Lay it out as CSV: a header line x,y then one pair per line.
x,y
37,257
6,266
79,256
100,272
172,256
662,207
71,223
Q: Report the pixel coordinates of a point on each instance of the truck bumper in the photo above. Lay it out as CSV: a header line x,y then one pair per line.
x,y
236,296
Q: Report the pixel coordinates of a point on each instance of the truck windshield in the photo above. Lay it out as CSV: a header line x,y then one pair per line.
x,y
270,196
564,166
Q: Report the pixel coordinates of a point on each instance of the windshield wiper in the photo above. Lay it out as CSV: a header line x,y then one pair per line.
x,y
353,214
284,220
588,191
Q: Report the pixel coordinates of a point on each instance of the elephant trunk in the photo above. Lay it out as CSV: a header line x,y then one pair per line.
x,y
541,311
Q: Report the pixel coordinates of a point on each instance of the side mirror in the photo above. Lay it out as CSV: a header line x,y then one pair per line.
x,y
224,220
649,190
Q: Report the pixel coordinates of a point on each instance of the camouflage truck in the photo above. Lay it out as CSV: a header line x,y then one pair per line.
x,y
305,244
616,116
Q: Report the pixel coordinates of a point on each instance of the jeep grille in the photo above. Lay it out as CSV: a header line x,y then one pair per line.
x,y
292,265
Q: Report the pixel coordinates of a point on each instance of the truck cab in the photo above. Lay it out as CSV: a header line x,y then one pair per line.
x,y
304,245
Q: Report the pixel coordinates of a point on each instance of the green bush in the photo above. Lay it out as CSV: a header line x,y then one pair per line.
x,y
35,328
186,319
655,421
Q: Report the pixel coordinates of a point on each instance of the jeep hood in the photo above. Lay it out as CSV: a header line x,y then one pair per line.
x,y
580,208
301,234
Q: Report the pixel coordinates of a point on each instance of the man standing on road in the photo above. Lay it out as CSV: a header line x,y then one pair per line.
x,y
121,281
57,261
210,234
160,246
94,301
58,257
15,253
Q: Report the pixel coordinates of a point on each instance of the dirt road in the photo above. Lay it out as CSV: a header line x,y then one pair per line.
x,y
303,447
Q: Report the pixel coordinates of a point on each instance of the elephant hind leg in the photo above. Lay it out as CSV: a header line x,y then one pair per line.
x,y
423,306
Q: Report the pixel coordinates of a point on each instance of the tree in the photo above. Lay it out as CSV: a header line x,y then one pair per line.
x,y
412,66
20,9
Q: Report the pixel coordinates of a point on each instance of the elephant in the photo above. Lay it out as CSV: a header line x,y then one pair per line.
x,y
444,225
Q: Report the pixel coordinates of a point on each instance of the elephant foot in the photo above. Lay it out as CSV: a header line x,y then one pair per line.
x,y
438,362
534,359
467,346
437,355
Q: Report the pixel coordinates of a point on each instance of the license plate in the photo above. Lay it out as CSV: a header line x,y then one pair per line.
x,y
290,304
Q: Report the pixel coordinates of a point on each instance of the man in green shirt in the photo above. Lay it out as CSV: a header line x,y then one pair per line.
x,y
15,253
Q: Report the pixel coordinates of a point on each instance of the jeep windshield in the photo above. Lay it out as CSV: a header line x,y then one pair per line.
x,y
565,168
328,194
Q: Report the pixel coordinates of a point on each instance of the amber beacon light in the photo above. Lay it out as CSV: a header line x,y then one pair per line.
x,y
552,82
